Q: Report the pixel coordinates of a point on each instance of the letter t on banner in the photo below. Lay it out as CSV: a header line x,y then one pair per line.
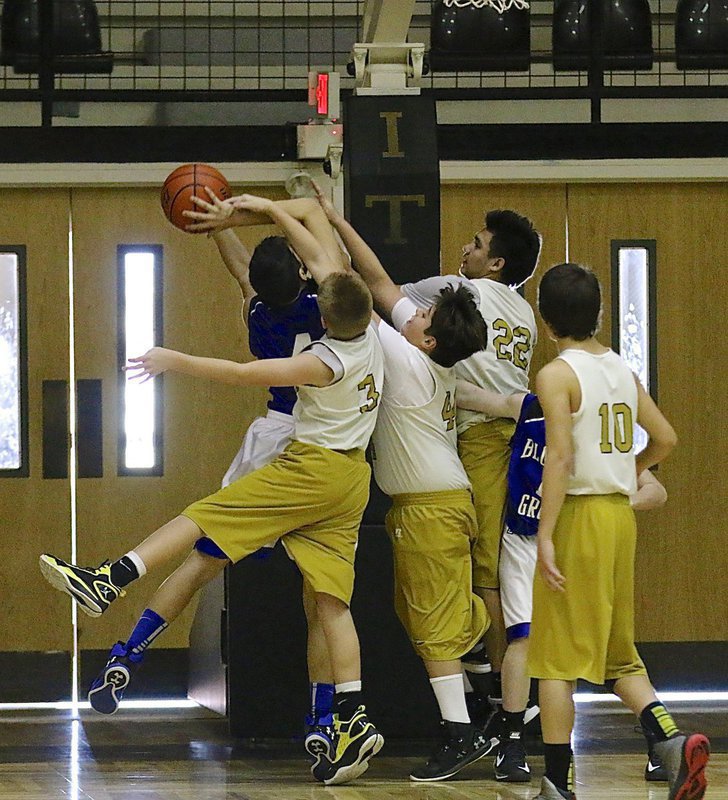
x,y
392,181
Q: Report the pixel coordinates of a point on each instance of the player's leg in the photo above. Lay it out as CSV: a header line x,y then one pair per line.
x,y
485,451
557,721
356,738
336,488
516,570
170,599
95,588
431,535
319,720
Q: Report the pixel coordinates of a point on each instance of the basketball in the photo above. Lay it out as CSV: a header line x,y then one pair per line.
x,y
185,182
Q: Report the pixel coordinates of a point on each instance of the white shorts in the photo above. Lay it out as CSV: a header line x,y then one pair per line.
x,y
516,570
266,438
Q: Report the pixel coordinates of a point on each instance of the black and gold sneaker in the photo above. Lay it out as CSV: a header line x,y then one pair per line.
x,y
356,740
90,587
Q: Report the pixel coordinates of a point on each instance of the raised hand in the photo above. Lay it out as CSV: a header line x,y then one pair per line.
x,y
211,215
153,362
252,203
326,205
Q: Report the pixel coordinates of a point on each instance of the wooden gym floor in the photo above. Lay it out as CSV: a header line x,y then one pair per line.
x,y
188,755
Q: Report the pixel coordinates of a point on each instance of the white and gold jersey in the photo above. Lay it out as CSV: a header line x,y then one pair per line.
x,y
342,415
415,442
603,427
503,366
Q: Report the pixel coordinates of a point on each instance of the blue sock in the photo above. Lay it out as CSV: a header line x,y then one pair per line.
x,y
322,699
149,626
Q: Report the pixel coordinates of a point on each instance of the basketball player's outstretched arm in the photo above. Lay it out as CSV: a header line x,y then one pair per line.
x,y
495,404
218,215
384,290
303,369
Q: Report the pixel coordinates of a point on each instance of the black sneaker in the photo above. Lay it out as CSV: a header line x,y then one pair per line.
x,y
90,587
356,740
462,743
319,739
685,758
655,769
477,660
108,688
510,761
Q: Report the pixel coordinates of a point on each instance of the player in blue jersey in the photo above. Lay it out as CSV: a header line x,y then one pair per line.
x,y
518,562
282,316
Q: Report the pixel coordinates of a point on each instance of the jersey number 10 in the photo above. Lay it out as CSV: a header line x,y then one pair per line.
x,y
617,427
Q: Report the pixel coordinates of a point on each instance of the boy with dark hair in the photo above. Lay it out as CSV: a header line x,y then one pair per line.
x,y
432,522
312,496
518,562
583,600
502,256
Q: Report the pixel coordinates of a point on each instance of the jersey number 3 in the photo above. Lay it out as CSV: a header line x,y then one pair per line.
x,y
368,386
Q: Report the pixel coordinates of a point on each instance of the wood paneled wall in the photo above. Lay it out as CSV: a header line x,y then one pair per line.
x,y
682,560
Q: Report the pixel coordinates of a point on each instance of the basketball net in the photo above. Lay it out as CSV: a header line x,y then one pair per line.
x,y
499,5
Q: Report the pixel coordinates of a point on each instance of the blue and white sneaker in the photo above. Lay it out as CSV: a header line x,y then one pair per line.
x,y
108,688
319,739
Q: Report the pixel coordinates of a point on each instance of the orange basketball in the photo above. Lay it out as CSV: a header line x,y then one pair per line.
x,y
185,182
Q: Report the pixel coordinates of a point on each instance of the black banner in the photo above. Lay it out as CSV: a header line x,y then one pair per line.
x,y
392,181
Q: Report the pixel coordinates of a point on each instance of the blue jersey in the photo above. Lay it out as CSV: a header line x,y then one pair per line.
x,y
282,333
525,470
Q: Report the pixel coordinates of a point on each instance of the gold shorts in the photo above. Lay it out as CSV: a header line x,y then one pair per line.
x,y
485,452
431,534
311,497
587,631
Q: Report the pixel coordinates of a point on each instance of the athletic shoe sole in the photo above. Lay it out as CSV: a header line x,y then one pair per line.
x,y
691,781
59,579
357,768
531,713
513,777
317,745
476,756
106,698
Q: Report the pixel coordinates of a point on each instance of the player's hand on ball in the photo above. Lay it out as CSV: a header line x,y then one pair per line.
x,y
252,203
547,565
153,362
209,215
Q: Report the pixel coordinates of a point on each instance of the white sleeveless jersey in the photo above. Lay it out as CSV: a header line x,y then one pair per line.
x,y
415,447
603,427
503,366
341,416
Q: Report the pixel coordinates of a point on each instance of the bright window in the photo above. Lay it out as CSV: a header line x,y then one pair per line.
x,y
13,425
140,323
633,335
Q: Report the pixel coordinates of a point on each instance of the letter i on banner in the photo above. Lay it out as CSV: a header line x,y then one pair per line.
x,y
392,181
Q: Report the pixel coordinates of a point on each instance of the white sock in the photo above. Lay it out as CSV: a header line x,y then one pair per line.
x,y
466,683
450,695
138,563
349,686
